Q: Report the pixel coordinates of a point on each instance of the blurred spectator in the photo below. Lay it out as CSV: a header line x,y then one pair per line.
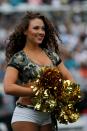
x,y
73,1
3,36
3,127
3,1
82,106
68,37
80,50
1,72
47,2
2,65
70,62
78,26
6,110
83,70
56,3
81,56
15,2
64,1
35,2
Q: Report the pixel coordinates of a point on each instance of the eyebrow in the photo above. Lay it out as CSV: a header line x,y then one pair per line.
x,y
39,25
35,26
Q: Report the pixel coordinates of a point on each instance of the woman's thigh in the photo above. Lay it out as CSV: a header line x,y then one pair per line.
x,y
25,126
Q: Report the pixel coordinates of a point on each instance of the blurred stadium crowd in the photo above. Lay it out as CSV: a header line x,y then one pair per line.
x,y
73,33
39,2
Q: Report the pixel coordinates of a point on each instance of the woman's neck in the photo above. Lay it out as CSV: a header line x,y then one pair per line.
x,y
32,47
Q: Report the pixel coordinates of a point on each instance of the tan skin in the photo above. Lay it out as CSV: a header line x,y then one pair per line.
x,y
35,35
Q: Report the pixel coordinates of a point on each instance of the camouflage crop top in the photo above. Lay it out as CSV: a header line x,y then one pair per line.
x,y
28,70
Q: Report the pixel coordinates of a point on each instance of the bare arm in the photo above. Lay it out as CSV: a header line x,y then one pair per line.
x,y
10,86
65,72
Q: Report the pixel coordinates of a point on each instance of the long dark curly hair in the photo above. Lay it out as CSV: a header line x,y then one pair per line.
x,y
17,39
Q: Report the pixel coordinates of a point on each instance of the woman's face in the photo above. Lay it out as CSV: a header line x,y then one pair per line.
x,y
36,31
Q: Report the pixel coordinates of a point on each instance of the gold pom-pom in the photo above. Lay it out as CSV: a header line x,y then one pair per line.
x,y
66,114
47,89
54,94
70,91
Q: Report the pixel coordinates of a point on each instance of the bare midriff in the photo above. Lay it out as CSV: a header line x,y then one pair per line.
x,y
25,100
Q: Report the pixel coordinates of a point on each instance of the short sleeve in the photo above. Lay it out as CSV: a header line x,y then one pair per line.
x,y
16,61
57,60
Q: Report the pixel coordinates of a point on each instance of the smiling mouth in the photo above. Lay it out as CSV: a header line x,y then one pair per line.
x,y
41,37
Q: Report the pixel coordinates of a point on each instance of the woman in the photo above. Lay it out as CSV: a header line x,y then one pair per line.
x,y
32,45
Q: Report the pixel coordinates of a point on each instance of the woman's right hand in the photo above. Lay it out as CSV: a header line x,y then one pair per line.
x,y
29,85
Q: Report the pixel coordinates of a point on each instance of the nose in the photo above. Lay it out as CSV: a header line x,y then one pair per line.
x,y
41,31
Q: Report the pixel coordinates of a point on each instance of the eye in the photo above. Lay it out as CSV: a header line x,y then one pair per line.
x,y
36,27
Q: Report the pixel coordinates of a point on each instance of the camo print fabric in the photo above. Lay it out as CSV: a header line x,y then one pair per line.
x,y
28,70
